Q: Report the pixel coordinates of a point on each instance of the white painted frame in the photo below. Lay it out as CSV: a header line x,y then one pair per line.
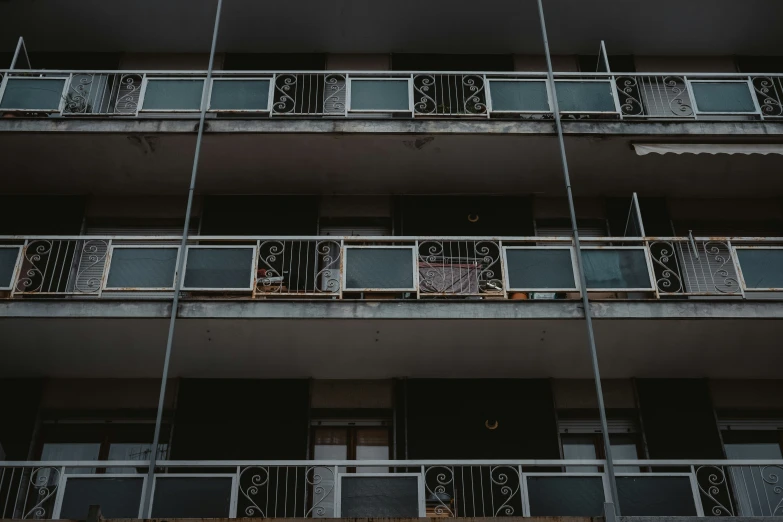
x,y
414,266
737,263
251,275
338,489
613,94
112,247
650,273
574,270
232,510
526,491
691,479
15,270
492,110
146,81
751,93
61,488
66,85
348,96
268,109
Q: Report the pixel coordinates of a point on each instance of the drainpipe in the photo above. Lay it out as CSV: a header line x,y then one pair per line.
x,y
611,508
147,509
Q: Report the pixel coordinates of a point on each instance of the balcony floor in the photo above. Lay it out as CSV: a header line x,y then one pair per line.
x,y
383,339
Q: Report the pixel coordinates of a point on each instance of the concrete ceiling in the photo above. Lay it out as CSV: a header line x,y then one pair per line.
x,y
438,26
376,349
367,163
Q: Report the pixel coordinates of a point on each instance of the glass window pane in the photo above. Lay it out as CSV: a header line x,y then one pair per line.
x,y
723,97
219,268
519,96
616,269
751,485
372,444
196,497
142,268
655,496
130,451
173,95
379,268
379,95
579,447
43,94
118,497
560,496
585,96
761,268
71,451
249,95
624,448
8,258
379,497
539,269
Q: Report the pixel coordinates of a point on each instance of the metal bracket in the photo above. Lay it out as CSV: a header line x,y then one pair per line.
x,y
693,244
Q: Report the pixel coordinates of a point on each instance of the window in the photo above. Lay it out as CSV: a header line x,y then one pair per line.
x,y
100,441
352,443
591,446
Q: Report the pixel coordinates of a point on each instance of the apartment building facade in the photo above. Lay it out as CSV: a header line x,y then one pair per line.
x,y
328,269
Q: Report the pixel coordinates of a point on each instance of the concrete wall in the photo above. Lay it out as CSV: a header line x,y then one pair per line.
x,y
352,394
685,64
738,394
169,61
358,62
557,208
537,63
580,394
104,394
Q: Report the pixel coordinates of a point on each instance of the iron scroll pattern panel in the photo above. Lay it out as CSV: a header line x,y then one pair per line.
x,y
473,491
299,266
769,93
62,266
654,96
302,94
449,95
286,491
459,267
694,267
98,93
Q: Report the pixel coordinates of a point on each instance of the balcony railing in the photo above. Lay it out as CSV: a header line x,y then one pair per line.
x,y
651,96
327,489
391,267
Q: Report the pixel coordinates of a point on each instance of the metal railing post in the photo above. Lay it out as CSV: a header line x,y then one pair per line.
x,y
580,268
205,94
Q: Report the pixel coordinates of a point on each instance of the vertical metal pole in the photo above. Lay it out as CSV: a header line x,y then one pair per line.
x,y
580,269
205,94
602,51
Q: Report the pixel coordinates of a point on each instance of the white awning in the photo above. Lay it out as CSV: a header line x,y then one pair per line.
x,y
642,149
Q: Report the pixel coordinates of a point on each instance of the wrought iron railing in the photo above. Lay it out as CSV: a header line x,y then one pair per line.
x,y
651,96
328,489
391,266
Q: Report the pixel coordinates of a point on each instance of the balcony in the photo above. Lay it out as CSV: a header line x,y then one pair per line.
x,y
328,489
405,268
384,94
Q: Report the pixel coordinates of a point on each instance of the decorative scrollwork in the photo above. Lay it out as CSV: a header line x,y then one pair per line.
x,y
474,101
720,253
285,85
270,278
769,92
36,253
91,266
321,490
334,93
667,278
679,99
507,490
628,90
76,101
128,93
714,486
309,94
440,489
44,481
449,94
459,267
327,279
259,478
424,85
772,478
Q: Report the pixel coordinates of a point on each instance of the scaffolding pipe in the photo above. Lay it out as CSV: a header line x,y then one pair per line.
x,y
613,503
205,95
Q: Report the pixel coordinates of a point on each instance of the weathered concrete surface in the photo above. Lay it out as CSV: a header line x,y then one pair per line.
x,y
733,129
392,310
